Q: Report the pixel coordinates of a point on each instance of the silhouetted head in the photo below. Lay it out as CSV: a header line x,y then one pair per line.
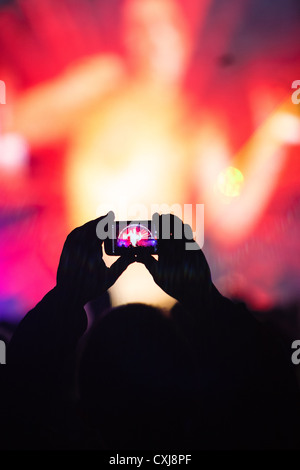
x,y
136,379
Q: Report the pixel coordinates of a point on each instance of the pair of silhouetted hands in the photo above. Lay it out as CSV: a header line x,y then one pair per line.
x,y
182,273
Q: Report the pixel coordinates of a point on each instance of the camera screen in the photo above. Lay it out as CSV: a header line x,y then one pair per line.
x,y
135,235
132,235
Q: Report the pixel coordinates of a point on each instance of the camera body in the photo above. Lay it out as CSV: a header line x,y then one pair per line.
x,y
136,236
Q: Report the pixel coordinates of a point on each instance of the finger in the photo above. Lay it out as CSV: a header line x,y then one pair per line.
x,y
150,263
93,229
187,232
118,267
110,216
103,226
171,228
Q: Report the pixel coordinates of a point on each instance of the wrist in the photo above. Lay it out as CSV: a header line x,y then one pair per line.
x,y
67,297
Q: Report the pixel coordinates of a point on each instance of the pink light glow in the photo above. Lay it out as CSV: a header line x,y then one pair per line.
x,y
150,102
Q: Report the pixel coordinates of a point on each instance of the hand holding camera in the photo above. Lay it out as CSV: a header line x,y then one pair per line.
x,y
181,269
182,273
82,274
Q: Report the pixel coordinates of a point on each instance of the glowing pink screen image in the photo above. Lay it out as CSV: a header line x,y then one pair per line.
x,y
136,235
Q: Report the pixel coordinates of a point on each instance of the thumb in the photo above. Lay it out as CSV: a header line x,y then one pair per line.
x,y
150,263
118,267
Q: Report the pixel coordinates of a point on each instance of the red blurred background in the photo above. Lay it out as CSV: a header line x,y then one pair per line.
x,y
112,103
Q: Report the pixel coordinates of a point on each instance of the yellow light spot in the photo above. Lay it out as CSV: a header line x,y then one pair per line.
x,y
230,182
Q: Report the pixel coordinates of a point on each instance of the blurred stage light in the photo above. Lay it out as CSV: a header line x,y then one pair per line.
x,y
14,152
230,182
285,128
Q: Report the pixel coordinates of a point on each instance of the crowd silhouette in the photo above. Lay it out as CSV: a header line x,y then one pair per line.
x,y
205,376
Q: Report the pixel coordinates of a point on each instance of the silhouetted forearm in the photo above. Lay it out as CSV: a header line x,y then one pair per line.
x,y
49,333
